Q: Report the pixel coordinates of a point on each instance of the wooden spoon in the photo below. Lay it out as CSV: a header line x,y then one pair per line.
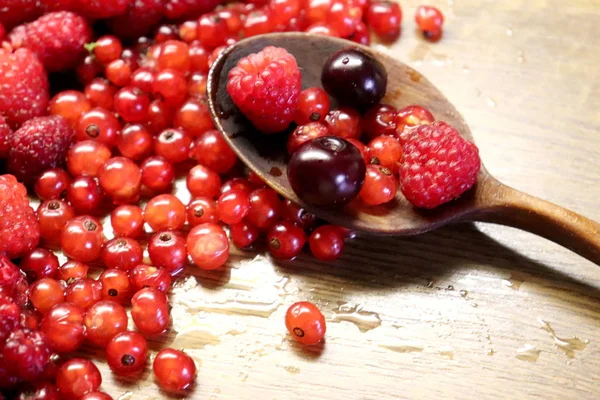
x,y
489,200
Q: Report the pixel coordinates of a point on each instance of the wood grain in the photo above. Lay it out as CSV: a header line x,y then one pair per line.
x,y
447,314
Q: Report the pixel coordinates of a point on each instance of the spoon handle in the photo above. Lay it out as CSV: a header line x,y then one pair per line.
x,y
507,206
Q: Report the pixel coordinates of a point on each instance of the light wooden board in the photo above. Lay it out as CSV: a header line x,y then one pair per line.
x,y
468,312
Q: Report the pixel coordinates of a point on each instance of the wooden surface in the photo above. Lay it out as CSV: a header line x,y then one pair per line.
x,y
467,312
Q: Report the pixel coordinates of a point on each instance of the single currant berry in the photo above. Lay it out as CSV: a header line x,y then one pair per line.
x,y
430,21
322,28
265,208
132,104
244,234
158,174
63,326
384,18
233,206
82,238
135,142
212,30
208,246
160,116
142,78
188,31
299,216
344,122
282,11
39,263
107,48
239,184
380,120
168,250
165,212
78,377
150,311
115,285
194,115
52,184
361,35
326,172
285,240
72,270
198,57
343,17
85,158
211,150
173,54
313,106
411,117
385,151
327,242
174,370
143,276
380,185
98,124
170,85
103,321
45,293
122,253
202,182
165,32
305,322
127,221
202,210
70,105
118,72
85,195
354,77
53,216
88,69
305,133
84,292
173,145
126,353
101,93
258,22
120,178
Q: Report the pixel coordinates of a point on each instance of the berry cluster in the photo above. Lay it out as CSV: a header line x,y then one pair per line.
x,y
130,120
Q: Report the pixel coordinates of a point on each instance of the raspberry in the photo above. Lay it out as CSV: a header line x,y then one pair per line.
x,y
9,276
56,38
24,86
10,314
27,353
5,133
178,9
13,12
8,380
91,9
438,165
266,87
139,19
39,144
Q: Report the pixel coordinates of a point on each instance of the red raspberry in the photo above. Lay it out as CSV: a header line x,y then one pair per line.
x,y
39,144
10,314
438,165
19,228
27,353
5,133
178,9
266,87
91,9
56,38
9,276
24,86
13,12
140,18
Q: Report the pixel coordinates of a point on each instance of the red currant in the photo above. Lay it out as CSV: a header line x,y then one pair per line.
x,y
304,133
199,57
166,32
96,396
385,17
244,234
239,184
168,250
52,184
132,104
165,212
211,150
70,105
173,145
305,322
361,35
265,208
160,116
285,240
174,54
344,122
85,195
103,321
150,311
380,120
82,238
45,293
122,253
202,182
202,210
380,185
118,72
101,93
208,246
84,293
188,31
326,243
385,151
107,48
63,325
126,353
157,174
135,142
197,85
299,216
313,106
233,18
78,377
321,28
171,86
430,21
87,157
127,221
257,22
343,17
212,30
143,276
410,117
39,263
194,116
88,69
174,370
143,78
53,215
282,11
71,270
120,178
115,285
233,206
316,10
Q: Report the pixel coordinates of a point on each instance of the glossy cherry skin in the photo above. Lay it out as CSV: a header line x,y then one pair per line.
x,y
285,240
150,311
326,172
103,321
306,323
208,246
82,238
126,353
174,370
327,243
354,78
63,325
78,377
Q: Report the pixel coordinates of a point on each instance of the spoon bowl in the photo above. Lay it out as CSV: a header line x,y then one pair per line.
x,y
488,200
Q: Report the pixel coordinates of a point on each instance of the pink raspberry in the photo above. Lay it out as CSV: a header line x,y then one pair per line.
x,y
5,133
438,165
27,353
266,87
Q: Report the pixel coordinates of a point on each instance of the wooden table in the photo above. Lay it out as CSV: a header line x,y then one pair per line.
x,y
468,312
